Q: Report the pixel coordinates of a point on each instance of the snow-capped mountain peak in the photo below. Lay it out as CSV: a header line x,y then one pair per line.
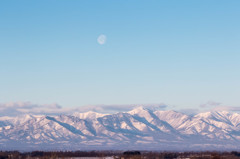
x,y
138,110
139,128
88,115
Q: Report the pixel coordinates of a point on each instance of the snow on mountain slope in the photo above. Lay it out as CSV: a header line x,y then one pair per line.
x,y
175,119
90,115
137,129
235,119
150,117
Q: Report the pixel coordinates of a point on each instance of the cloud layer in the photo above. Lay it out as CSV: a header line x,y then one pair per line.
x,y
121,108
217,106
210,104
20,108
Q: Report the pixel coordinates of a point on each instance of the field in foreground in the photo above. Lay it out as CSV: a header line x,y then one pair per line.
x,y
117,155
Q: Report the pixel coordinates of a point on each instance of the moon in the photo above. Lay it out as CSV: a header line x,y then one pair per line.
x,y
102,39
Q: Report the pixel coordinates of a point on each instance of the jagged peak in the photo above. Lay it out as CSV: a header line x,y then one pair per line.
x,y
168,111
143,126
137,110
213,113
88,114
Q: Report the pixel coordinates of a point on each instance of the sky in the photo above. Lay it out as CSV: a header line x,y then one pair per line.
x,y
76,53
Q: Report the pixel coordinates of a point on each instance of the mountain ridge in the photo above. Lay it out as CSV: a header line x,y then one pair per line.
x,y
139,128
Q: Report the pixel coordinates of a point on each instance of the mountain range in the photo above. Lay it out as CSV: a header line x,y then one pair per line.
x,y
138,129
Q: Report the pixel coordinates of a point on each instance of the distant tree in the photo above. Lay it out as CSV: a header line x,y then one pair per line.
x,y
132,153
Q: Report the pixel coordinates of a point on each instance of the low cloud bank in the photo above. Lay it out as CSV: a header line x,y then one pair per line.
x,y
217,106
210,104
20,108
121,108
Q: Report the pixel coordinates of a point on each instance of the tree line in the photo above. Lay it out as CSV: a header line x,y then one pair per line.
x,y
118,154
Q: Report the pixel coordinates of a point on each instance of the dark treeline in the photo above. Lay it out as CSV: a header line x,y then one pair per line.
x,y
119,154
56,154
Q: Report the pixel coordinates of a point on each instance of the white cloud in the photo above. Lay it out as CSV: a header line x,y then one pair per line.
x,y
210,104
120,108
20,108
227,108
217,106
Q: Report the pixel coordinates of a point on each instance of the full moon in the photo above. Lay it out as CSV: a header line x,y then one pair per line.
x,y
102,39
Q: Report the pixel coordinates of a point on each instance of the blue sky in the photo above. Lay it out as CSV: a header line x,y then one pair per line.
x,y
182,53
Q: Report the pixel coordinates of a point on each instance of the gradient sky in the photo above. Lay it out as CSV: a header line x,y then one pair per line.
x,y
179,52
